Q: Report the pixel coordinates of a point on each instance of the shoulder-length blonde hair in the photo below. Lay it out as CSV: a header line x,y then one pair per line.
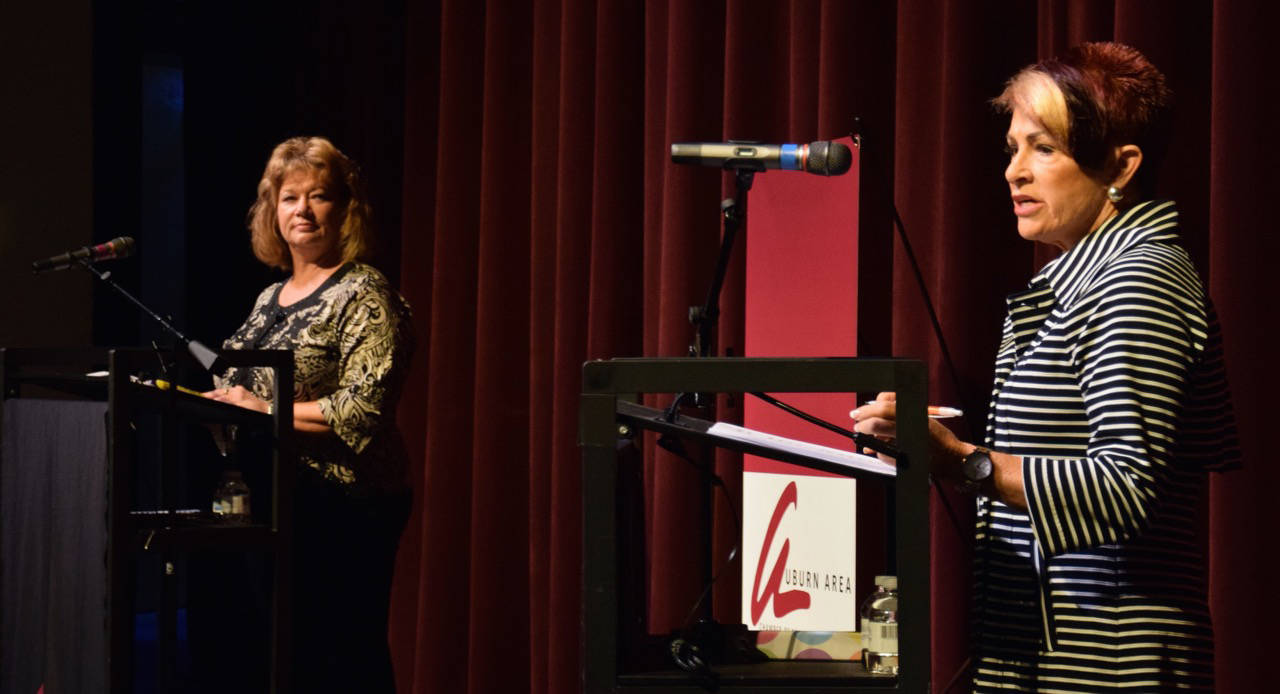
x,y
338,171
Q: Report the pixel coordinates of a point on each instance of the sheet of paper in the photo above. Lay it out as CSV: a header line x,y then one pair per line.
x,y
813,450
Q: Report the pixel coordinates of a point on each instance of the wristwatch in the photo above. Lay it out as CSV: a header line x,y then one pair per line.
x,y
977,468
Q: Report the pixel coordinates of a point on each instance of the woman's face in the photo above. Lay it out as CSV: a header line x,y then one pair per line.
x,y
1055,201
310,218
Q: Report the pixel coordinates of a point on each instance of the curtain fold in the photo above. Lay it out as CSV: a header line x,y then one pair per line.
x,y
1243,243
573,234
681,241
545,225
448,360
544,143
499,605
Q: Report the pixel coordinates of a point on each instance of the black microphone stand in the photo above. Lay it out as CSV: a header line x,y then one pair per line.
x,y
703,641
734,213
206,357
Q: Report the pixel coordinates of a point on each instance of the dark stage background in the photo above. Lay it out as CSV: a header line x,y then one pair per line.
x,y
517,155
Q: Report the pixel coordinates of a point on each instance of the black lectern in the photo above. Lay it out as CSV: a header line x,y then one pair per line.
x,y
608,389
92,492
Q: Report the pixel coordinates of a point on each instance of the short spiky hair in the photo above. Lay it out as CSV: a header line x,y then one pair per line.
x,y
1095,97
318,155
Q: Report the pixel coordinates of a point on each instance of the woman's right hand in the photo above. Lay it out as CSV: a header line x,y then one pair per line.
x,y
879,418
238,396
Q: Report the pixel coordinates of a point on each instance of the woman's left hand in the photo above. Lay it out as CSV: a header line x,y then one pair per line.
x,y
239,396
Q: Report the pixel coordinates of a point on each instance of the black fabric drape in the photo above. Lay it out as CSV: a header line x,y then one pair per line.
x,y
53,576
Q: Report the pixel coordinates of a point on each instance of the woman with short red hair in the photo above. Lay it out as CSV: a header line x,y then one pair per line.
x,y
1110,403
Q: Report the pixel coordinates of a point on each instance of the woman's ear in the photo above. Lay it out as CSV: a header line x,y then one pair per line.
x,y
1127,160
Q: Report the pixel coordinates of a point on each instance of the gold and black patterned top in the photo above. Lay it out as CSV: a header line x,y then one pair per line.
x,y
351,341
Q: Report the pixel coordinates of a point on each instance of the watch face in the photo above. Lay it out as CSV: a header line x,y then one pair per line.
x,y
977,466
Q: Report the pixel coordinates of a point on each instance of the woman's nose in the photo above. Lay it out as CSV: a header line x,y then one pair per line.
x,y
1016,171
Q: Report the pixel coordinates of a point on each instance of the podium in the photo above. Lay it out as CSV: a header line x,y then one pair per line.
x,y
612,615
92,495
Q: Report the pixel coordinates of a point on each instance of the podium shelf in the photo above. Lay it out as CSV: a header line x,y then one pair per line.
x,y
211,536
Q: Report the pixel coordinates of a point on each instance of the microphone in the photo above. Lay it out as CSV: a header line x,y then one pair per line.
x,y
122,247
823,157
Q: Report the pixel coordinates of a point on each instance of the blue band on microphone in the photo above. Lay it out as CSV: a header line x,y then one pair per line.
x,y
789,158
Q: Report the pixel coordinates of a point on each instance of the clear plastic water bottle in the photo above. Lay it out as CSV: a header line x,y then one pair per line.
x,y
231,498
880,628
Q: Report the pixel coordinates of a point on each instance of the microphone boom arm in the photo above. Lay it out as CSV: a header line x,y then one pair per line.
x,y
202,354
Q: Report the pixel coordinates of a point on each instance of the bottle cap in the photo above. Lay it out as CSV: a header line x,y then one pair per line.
x,y
889,582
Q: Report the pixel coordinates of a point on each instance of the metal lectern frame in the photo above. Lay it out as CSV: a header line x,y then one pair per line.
x,y
605,383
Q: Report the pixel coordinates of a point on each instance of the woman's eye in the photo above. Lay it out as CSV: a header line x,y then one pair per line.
x,y
1044,149
1010,149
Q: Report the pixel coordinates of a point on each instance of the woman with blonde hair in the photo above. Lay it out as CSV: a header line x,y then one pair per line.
x,y
349,332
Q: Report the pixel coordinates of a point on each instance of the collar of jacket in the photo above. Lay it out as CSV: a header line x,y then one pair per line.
x,y
1155,221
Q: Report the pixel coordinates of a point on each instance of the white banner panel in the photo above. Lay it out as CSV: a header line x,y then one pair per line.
x,y
791,577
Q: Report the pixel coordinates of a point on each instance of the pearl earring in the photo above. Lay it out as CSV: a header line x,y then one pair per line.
x,y
1114,194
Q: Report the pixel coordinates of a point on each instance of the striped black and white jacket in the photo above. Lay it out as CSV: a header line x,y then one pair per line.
x,y
1110,385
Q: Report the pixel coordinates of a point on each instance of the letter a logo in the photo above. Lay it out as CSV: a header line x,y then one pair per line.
x,y
783,602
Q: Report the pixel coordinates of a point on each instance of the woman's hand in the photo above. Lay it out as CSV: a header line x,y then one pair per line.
x,y
947,453
239,396
880,419
307,416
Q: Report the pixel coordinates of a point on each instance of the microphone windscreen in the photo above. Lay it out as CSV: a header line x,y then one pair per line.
x,y
829,158
122,247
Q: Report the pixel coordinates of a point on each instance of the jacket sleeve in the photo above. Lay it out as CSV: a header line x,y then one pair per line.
x,y
374,351
1133,338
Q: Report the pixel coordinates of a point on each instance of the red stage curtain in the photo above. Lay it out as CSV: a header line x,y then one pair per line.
x,y
543,225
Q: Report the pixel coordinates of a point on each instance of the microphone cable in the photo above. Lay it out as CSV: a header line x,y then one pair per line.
x,y
685,651
950,365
